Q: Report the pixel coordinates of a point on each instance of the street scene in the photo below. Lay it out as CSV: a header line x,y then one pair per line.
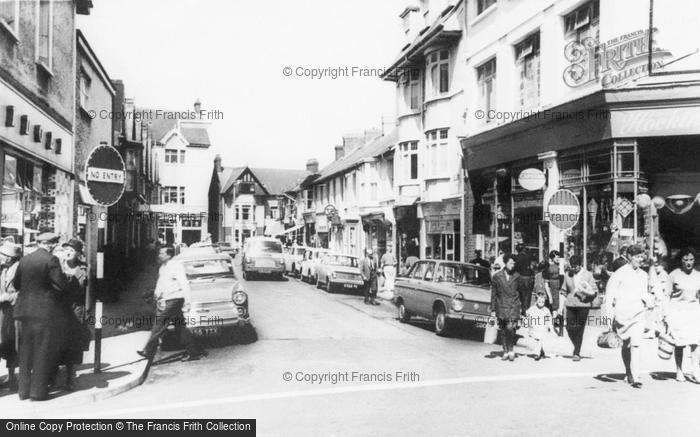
x,y
429,217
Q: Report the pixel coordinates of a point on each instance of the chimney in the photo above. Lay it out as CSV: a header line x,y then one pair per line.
x,y
197,108
339,152
312,166
217,164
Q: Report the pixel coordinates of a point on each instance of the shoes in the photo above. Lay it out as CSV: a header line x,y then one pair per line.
x,y
188,357
374,302
511,356
367,303
634,382
576,358
538,357
505,356
680,377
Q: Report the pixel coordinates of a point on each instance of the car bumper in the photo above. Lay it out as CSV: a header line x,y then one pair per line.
x,y
264,270
346,284
467,317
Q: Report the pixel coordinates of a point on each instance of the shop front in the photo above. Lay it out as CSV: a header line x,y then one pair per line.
x,y
407,230
36,154
322,231
309,229
378,228
442,228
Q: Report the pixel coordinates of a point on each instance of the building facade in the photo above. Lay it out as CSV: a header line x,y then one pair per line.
x,y
430,102
599,106
37,108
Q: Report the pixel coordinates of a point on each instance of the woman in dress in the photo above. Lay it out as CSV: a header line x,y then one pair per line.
x,y
78,338
9,255
682,313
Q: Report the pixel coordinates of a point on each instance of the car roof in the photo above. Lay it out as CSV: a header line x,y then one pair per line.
x,y
201,256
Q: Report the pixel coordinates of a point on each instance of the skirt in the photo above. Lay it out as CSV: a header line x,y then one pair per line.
x,y
683,319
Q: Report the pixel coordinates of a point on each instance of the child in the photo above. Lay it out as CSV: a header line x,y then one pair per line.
x,y
540,320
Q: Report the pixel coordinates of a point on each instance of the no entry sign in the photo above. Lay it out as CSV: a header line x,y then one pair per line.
x,y
563,210
105,175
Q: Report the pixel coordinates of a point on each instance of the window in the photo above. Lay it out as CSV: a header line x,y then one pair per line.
x,y
169,195
373,191
527,60
182,195
44,34
309,198
482,5
486,78
9,14
409,160
245,212
171,156
411,83
237,235
438,67
274,212
238,212
182,156
85,83
582,18
437,152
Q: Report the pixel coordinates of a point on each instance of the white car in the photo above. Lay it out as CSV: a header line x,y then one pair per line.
x,y
292,260
312,258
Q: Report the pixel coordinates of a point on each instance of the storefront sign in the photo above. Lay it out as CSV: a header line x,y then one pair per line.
x,y
104,173
440,226
563,210
532,179
447,208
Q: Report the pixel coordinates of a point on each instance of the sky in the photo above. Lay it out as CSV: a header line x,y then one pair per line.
x,y
232,54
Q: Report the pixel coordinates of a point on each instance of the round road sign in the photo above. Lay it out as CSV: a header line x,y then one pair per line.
x,y
563,210
105,175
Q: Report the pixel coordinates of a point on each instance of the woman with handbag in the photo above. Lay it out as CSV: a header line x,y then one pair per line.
x,y
682,313
580,290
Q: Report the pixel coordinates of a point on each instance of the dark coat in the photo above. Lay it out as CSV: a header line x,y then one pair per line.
x,y
41,285
505,295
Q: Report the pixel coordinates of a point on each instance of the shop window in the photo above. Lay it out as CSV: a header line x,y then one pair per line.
x,y
599,166
527,59
571,170
625,161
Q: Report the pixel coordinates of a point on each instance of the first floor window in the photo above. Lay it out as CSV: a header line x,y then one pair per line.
x,y
482,5
182,195
527,59
44,41
437,141
245,212
169,194
171,156
486,78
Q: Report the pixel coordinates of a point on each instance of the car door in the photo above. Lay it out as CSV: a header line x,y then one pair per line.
x,y
424,289
412,291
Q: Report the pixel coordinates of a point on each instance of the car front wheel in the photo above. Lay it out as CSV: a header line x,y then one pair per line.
x,y
404,315
442,323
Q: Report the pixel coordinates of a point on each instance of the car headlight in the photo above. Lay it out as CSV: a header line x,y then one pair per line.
x,y
248,260
333,275
458,302
239,297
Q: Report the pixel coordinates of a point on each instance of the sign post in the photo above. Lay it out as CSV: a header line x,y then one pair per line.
x,y
563,210
105,176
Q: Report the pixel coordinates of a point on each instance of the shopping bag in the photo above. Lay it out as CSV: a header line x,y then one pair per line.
x,y
609,340
491,331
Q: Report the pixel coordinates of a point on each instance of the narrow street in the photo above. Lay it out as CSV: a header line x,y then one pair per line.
x,y
450,386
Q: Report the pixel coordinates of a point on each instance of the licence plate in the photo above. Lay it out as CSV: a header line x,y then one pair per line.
x,y
265,271
208,331
350,285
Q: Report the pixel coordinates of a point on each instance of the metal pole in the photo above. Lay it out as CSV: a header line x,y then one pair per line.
x,y
98,337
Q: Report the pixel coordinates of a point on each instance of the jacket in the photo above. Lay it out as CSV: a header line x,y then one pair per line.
x,y
574,296
367,268
41,285
505,296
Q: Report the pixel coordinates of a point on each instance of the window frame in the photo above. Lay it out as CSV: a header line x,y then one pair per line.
x,y
47,63
484,5
13,28
440,66
437,146
526,62
486,76
171,156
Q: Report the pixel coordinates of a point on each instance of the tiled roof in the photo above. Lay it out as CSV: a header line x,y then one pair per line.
x,y
196,136
158,126
371,149
233,174
278,181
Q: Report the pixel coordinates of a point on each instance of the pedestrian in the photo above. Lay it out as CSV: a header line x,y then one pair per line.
x,y
10,254
77,340
539,320
41,287
368,270
682,313
505,304
410,260
626,299
388,263
622,259
660,288
171,295
552,275
523,265
478,260
580,290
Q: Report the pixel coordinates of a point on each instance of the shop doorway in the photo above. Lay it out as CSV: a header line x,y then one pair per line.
x,y
190,236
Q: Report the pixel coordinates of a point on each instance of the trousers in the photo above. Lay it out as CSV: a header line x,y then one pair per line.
x,y
40,344
171,313
576,318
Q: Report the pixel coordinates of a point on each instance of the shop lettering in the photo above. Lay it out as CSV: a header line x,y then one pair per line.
x,y
105,175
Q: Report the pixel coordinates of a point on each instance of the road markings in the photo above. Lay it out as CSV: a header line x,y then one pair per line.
x,y
333,391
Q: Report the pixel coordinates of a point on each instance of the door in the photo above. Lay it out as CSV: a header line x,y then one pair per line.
x,y
190,236
449,244
424,290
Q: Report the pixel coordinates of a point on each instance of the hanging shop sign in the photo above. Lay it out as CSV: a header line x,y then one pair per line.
x,y
563,210
532,179
105,175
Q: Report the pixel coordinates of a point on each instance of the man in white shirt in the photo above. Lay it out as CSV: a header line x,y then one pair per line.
x,y
389,269
626,300
172,294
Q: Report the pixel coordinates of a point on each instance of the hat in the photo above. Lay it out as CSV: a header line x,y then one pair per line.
x,y
10,249
75,244
47,237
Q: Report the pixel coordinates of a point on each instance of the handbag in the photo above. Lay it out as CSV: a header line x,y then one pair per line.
x,y
491,331
609,340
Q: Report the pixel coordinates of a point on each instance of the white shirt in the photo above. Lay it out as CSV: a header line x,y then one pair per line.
x,y
172,283
627,293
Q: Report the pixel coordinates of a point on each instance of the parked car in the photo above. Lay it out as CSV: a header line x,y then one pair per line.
x,y
227,248
292,260
218,301
312,257
262,256
444,292
339,272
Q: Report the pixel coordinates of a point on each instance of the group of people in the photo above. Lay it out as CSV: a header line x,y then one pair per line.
x,y
42,314
371,269
640,300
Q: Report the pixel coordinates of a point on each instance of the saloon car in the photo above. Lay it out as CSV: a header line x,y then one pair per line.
x,y
292,260
312,258
262,256
218,301
339,272
444,292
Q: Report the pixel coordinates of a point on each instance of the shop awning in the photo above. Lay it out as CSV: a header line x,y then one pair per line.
x,y
289,231
406,201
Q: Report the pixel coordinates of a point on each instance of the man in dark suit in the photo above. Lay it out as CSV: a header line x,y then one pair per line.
x,y
506,289
41,285
368,270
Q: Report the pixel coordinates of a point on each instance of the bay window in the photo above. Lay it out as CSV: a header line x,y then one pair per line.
x,y
438,69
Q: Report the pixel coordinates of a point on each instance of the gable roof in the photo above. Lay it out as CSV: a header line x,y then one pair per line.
x,y
278,181
196,136
370,149
157,126
233,174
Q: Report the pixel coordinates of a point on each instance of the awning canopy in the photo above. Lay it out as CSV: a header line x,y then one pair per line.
x,y
406,201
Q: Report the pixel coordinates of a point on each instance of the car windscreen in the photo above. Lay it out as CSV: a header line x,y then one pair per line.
x,y
463,274
300,252
264,247
341,260
208,269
